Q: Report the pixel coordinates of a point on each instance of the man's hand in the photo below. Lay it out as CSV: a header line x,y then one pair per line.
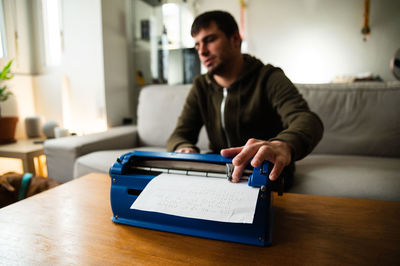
x,y
186,150
277,152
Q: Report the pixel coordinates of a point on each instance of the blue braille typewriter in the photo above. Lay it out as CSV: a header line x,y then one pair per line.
x,y
133,171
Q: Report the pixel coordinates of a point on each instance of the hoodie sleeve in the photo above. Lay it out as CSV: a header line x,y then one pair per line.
x,y
303,129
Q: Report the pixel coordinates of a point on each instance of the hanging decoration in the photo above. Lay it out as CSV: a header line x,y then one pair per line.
x,y
242,24
366,30
242,18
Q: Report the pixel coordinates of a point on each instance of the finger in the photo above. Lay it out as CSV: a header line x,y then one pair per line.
x,y
245,155
231,152
276,170
190,150
237,173
186,150
264,153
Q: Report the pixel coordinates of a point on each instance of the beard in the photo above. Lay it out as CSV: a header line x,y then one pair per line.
x,y
219,68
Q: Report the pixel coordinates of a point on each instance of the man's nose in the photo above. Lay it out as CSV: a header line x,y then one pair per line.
x,y
203,51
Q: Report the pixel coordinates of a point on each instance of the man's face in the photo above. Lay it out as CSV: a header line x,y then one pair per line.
x,y
215,49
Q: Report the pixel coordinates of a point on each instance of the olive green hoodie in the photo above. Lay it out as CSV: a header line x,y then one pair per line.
x,y
262,103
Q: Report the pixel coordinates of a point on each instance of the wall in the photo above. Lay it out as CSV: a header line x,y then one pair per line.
x,y
116,52
316,40
90,89
82,64
20,103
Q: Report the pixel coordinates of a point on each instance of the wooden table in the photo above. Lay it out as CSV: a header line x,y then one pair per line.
x,y
70,225
24,149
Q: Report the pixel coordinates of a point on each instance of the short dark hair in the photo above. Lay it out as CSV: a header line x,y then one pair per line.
x,y
224,21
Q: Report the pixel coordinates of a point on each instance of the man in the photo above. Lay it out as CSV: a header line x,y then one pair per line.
x,y
251,111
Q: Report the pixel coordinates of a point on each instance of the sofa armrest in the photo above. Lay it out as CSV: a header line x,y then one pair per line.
x,y
61,153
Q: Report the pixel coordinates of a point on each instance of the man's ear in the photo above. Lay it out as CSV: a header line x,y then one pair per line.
x,y
237,39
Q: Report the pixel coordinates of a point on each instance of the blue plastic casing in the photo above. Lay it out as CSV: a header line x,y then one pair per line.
x,y
260,176
126,185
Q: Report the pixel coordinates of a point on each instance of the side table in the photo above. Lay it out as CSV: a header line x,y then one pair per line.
x,y
26,150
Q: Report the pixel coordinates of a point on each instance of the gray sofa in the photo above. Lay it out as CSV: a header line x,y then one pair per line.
x,y
359,155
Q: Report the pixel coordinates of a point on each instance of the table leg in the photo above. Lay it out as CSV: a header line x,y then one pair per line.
x,y
28,165
42,170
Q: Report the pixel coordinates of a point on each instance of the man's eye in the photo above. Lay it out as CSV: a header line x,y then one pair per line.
x,y
211,39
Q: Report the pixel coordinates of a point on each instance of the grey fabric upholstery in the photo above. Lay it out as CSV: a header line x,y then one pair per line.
x,y
62,153
101,161
157,120
359,118
348,176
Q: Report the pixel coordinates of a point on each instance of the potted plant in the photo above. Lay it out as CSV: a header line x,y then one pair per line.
x,y
7,123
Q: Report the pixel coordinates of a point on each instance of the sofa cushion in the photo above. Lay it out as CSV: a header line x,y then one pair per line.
x,y
359,118
101,161
158,110
61,153
348,176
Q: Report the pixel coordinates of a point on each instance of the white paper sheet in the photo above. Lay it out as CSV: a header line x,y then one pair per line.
x,y
205,198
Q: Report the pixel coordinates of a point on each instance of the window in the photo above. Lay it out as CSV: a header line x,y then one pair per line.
x,y
52,31
3,47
